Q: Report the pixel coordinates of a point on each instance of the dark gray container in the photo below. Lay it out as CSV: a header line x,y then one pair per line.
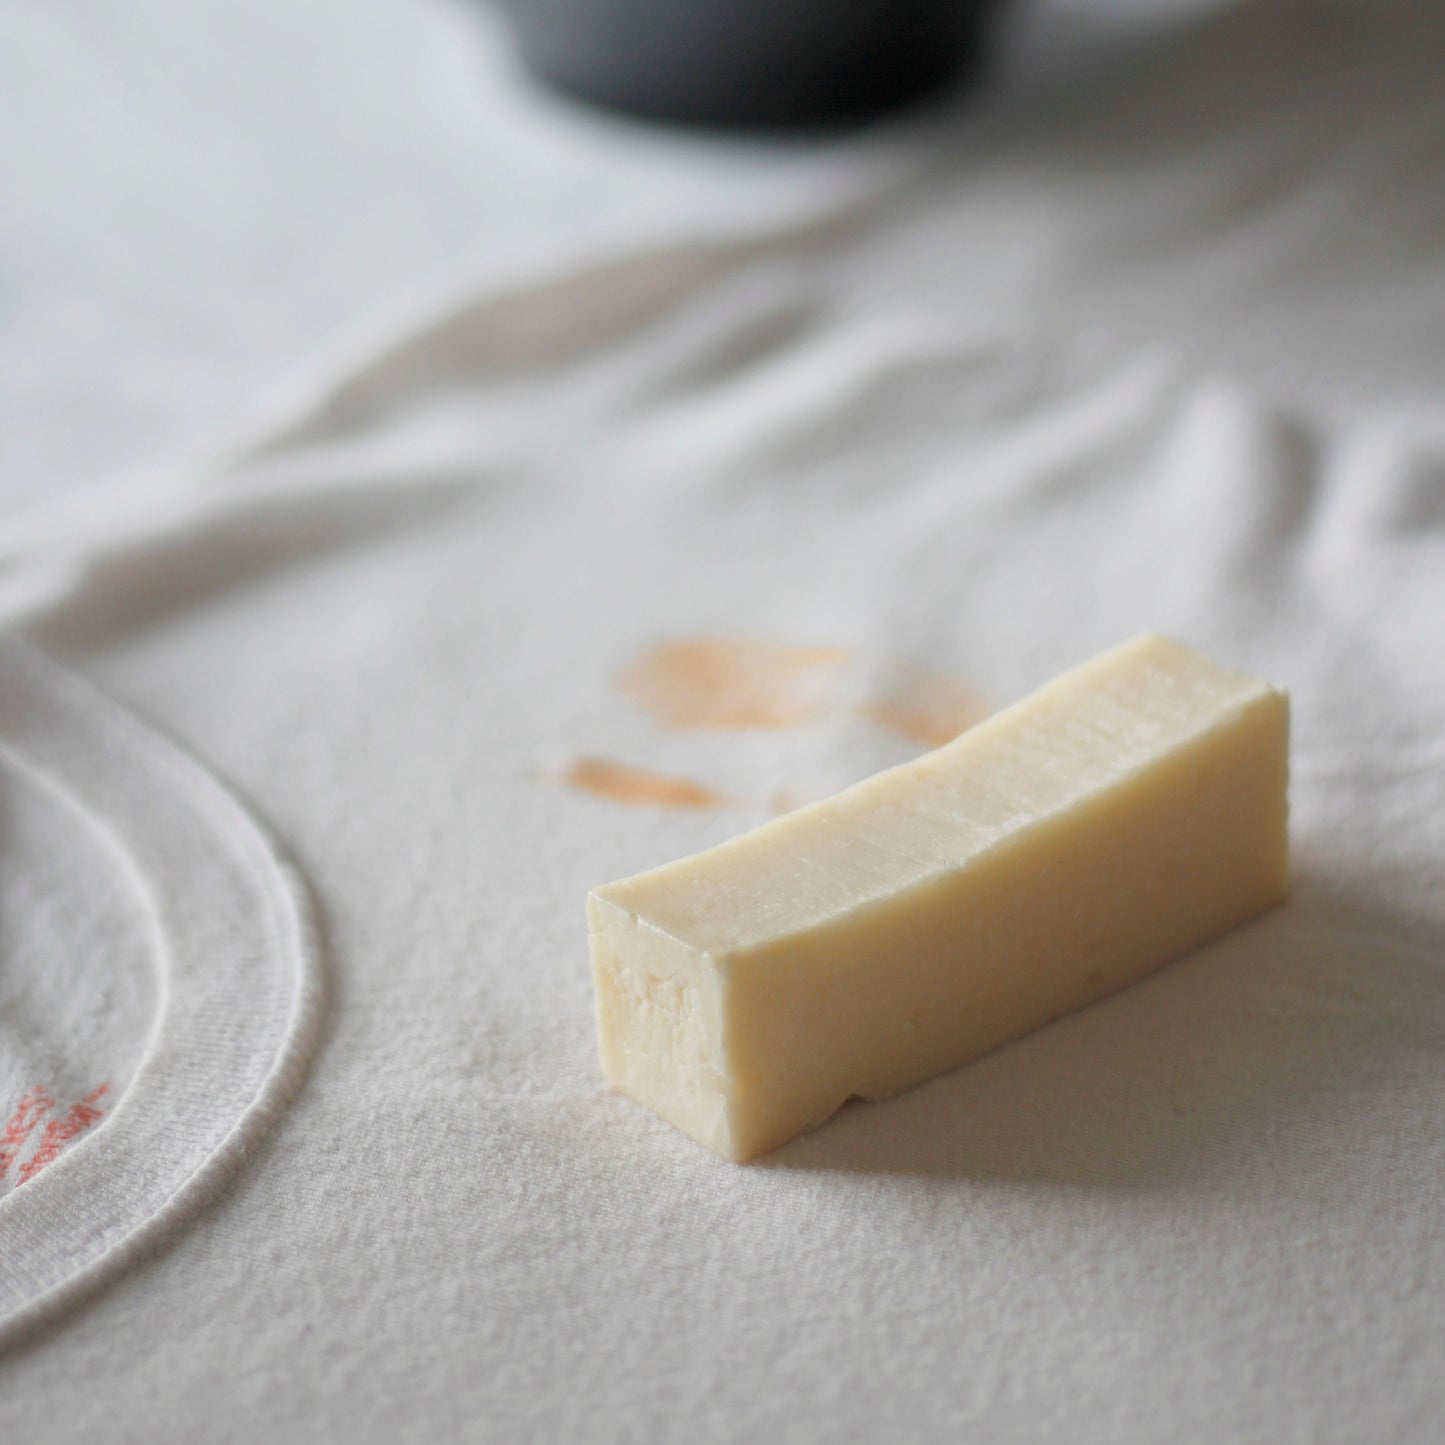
x,y
773,64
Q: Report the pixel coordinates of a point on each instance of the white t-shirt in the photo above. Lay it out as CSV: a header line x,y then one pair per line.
x,y
305,947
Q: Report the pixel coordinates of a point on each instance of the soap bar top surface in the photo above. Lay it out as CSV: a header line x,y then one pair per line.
x,y
940,813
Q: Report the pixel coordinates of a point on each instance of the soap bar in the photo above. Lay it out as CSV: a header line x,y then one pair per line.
x,y
1131,811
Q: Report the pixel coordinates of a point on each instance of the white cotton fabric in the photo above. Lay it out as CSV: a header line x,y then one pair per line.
x,y
165,966
1170,359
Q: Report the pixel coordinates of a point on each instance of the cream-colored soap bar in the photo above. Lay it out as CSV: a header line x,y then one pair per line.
x,y
1131,811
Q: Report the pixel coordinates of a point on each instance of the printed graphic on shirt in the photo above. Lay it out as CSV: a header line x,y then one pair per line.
x,y
38,1130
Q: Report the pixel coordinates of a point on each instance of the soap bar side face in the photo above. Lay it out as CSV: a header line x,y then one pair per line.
x,y
1064,913
659,1023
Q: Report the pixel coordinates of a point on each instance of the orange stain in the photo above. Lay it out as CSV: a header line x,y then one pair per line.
x,y
927,707
785,800
719,682
639,789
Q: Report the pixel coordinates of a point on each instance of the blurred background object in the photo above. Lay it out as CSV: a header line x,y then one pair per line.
x,y
767,63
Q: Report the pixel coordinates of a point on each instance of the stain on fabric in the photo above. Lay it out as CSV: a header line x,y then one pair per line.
x,y
721,682
926,707
640,789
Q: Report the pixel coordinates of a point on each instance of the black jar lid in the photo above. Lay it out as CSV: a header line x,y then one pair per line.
x,y
761,64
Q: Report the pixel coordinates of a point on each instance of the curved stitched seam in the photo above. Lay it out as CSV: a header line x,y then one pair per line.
x,y
288,928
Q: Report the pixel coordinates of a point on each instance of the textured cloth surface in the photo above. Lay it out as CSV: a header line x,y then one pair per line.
x,y
198,192
1171,359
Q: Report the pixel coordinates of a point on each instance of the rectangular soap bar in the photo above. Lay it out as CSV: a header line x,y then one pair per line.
x,y
1129,812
